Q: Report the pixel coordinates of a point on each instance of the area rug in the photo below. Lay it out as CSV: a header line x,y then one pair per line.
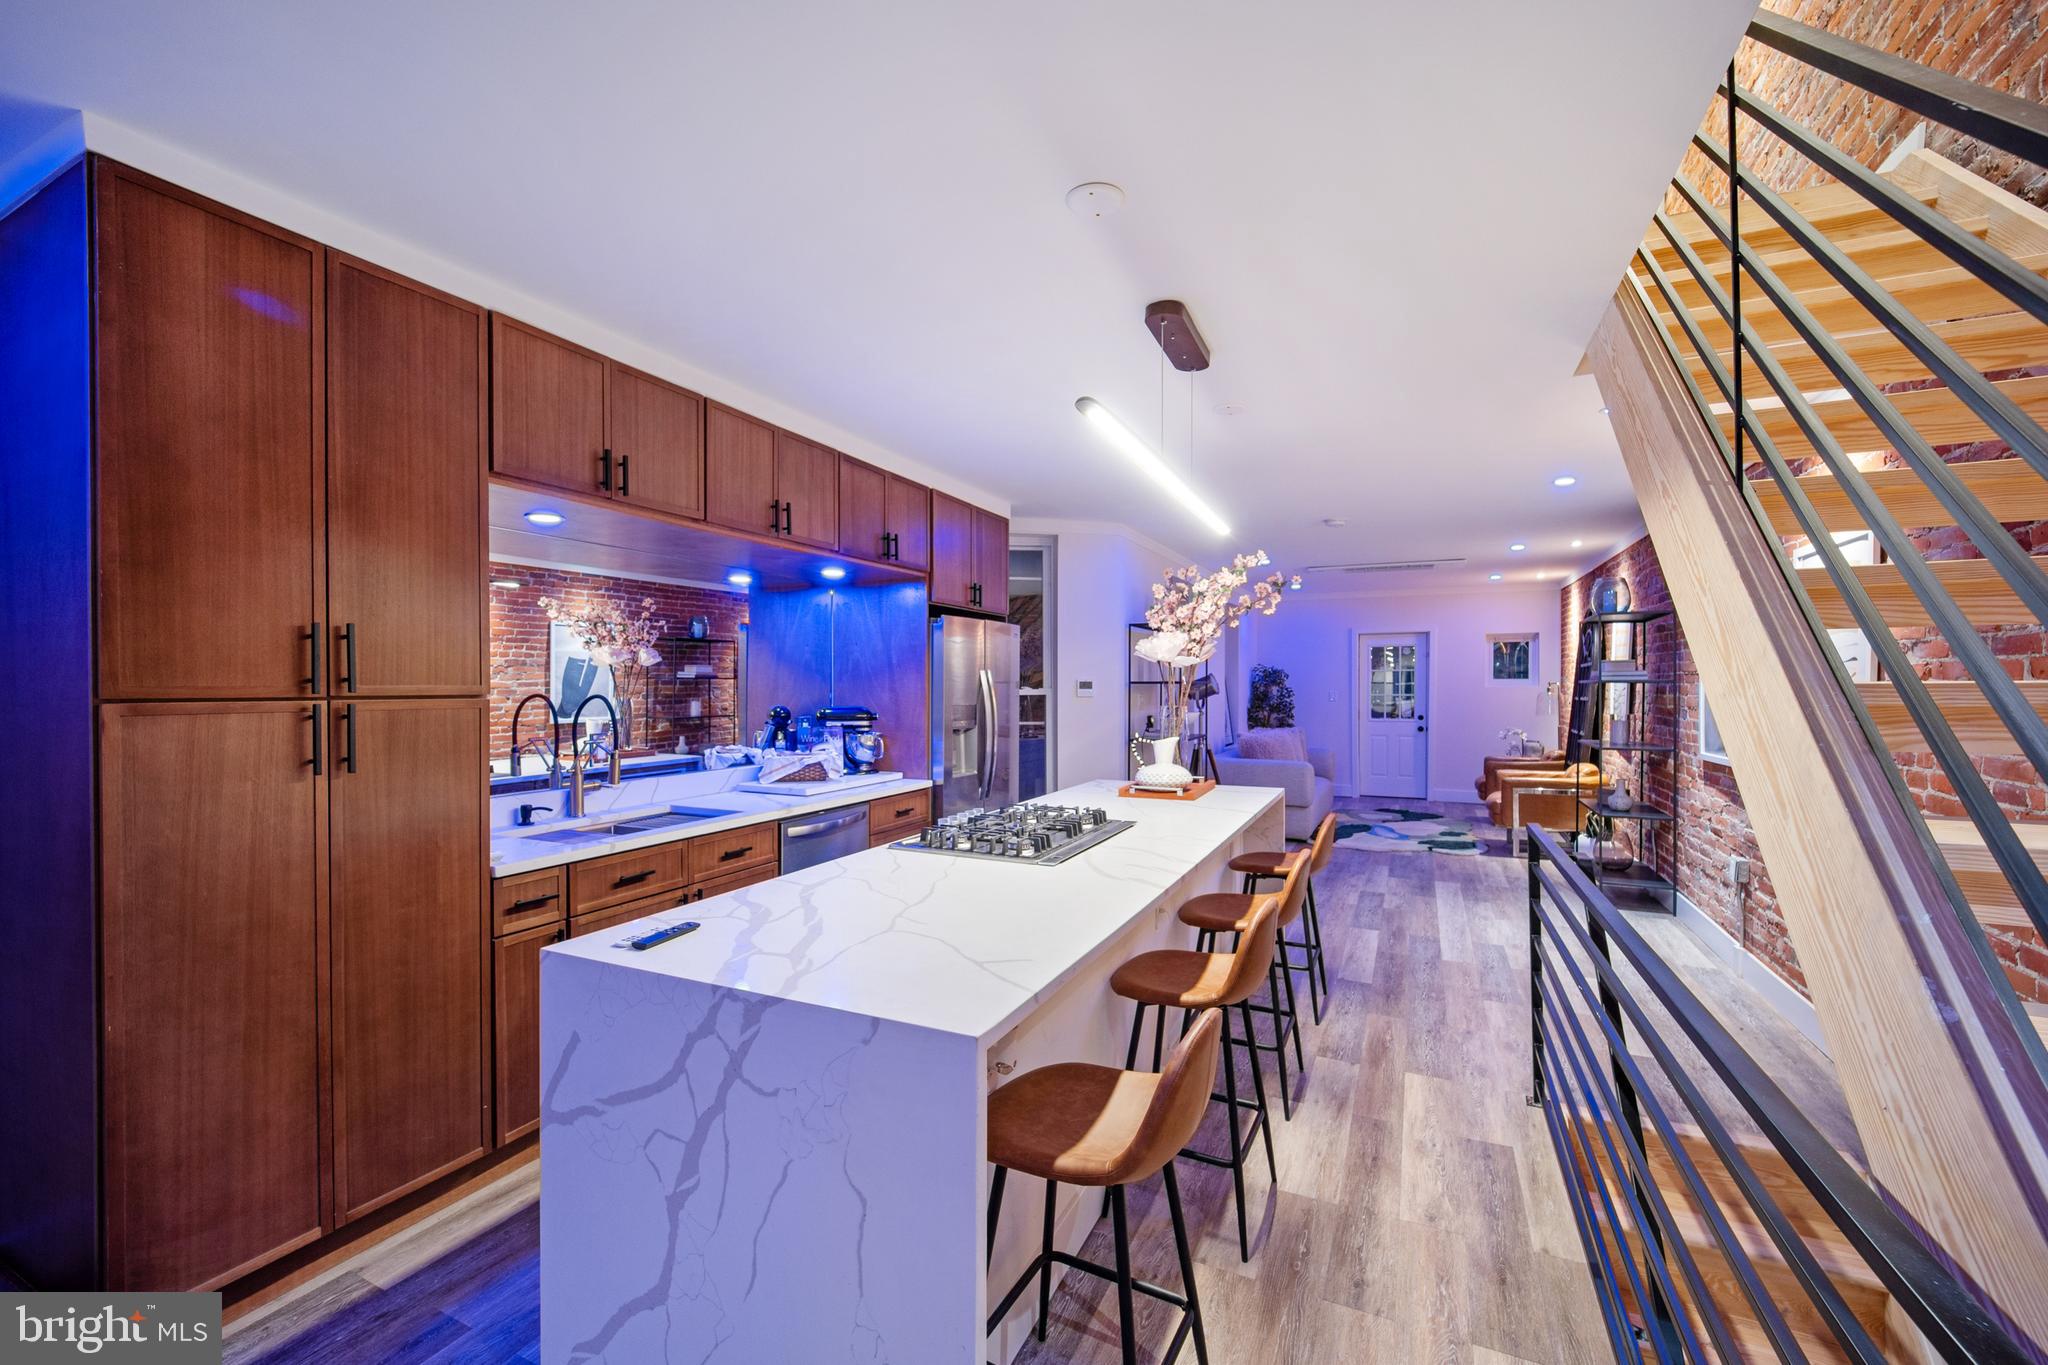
x,y
1396,829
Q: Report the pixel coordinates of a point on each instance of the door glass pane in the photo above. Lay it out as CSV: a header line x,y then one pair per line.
x,y
1027,614
1393,682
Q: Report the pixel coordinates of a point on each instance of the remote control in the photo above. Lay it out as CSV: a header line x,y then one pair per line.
x,y
642,942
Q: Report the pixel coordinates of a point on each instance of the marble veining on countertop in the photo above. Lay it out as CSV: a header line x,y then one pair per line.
x,y
958,945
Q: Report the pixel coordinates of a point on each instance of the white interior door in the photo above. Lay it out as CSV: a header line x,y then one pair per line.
x,y
1393,716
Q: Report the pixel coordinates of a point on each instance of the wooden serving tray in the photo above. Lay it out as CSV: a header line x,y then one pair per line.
x,y
1194,793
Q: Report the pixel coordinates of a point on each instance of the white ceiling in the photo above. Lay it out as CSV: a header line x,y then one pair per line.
x,y
1396,223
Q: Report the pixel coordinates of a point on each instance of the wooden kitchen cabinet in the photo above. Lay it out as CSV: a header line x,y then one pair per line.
x,y
209,435
991,562
863,510
713,856
807,482
601,883
655,431
408,915
739,472
952,551
909,522
406,457
515,984
547,409
213,913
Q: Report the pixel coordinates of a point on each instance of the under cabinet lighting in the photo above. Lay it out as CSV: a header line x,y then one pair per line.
x,y
545,516
1564,481
1518,547
1147,459
832,572
1493,578
739,579
507,583
1577,543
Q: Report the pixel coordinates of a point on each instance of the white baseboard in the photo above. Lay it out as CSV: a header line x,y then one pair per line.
x,y
1796,1009
1464,795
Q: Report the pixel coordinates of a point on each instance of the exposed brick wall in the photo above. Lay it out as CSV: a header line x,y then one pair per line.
x,y
519,650
1712,825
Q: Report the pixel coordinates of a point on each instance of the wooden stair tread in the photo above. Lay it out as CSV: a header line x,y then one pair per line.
x,y
1962,704
2010,488
1983,885
1837,210
2039,1014
1939,415
1974,584
1992,343
1886,257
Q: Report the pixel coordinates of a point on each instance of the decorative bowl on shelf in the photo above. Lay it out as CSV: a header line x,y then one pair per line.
x,y
1611,594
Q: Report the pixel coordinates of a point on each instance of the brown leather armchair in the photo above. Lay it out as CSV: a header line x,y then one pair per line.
x,y
1549,798
1492,765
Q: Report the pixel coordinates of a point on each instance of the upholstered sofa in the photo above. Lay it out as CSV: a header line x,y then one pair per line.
x,y
1487,782
1283,759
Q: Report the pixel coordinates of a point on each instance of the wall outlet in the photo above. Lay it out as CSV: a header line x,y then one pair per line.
x,y
1738,871
1084,687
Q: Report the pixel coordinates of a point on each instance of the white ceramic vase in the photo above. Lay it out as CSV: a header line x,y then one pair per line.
x,y
1159,763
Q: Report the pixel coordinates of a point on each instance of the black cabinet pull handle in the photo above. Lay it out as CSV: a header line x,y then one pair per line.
x,y
789,518
348,726
319,743
732,853
604,471
625,488
348,649
560,934
317,638
640,876
530,903
775,515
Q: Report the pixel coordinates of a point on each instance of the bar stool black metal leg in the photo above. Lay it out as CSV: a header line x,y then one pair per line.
x,y
1187,1264
1052,1189
995,1208
1293,1018
1273,990
1158,1039
1244,1241
1315,919
1265,1119
1126,1318
1137,1031
1308,950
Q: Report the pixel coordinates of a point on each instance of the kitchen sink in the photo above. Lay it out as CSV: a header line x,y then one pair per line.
x,y
642,824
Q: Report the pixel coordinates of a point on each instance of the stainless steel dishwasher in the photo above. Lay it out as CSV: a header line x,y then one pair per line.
x,y
808,840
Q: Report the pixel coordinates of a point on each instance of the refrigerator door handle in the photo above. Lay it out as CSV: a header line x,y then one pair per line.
x,y
988,733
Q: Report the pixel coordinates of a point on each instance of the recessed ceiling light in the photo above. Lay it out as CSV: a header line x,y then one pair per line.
x,y
1294,585
1577,543
544,516
1606,411
1147,459
739,578
1095,199
506,583
1564,481
1518,547
1493,578
833,572
1333,521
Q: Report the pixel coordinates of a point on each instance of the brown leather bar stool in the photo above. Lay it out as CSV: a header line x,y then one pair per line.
x,y
1100,1127
1220,912
1176,978
1261,866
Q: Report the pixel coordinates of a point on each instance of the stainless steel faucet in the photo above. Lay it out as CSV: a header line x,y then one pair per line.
x,y
554,756
576,781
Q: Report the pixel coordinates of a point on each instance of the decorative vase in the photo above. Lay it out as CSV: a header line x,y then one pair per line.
x,y
1619,799
624,738
1159,763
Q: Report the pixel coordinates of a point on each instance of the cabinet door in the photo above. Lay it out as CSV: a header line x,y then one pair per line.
x,y
408,915
405,485
909,519
739,471
953,563
992,562
212,867
863,510
209,439
515,977
656,433
807,481
547,409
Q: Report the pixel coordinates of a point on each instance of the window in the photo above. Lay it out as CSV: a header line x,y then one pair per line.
x,y
1514,658
1393,682
1710,733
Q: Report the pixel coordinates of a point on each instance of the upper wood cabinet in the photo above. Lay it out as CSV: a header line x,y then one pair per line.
x,y
991,562
209,440
807,482
883,516
952,551
655,431
547,409
213,910
909,523
739,472
407,914
406,452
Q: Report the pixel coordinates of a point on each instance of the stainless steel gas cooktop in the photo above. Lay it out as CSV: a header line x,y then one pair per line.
x,y
1043,836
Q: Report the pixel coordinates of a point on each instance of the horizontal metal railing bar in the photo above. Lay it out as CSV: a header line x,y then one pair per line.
x,y
1606,1285
1998,411
1955,1324
1688,1343
1993,267
2005,121
1970,648
1639,1162
1820,1290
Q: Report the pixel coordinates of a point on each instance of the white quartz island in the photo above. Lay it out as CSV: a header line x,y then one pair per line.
x,y
763,1141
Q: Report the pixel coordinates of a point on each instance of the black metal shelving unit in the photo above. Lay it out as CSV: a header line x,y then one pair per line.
x,y
1645,735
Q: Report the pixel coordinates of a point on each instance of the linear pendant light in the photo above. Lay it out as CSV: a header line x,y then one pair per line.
x,y
1147,459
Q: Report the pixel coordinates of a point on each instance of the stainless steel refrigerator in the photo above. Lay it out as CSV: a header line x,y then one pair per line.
x,y
974,713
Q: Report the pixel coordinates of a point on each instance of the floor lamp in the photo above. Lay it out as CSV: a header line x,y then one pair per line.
x,y
1204,688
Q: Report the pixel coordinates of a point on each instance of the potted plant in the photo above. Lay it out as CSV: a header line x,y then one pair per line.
x,y
1272,701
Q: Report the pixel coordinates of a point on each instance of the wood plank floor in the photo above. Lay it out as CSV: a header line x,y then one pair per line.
x,y
1418,1215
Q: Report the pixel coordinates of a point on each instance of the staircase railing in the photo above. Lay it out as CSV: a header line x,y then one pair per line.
x,y
2008,124
1602,1109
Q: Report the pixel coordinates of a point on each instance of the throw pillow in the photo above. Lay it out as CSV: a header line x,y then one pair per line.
x,y
1285,743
